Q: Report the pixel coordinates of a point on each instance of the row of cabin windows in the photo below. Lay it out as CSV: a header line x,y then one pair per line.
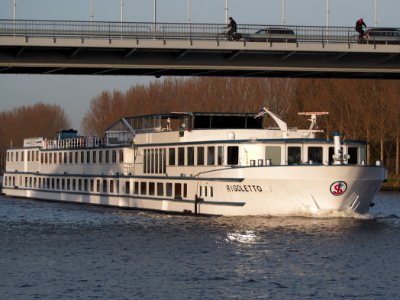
x,y
177,190
200,156
314,154
155,160
71,157
31,155
83,157
206,191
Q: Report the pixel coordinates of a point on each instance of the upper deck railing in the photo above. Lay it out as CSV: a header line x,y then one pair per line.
x,y
169,31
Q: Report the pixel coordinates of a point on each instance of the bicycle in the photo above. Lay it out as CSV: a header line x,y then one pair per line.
x,y
362,38
235,36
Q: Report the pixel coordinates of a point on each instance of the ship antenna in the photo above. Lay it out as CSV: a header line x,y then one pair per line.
x,y
313,117
281,124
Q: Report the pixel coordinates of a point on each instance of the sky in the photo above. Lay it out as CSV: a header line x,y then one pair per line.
x,y
74,92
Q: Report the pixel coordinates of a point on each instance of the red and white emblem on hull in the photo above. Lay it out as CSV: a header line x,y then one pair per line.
x,y
338,188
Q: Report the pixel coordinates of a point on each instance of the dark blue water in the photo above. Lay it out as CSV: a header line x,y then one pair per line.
x,y
67,251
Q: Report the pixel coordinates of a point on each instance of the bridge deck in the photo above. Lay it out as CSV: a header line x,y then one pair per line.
x,y
61,47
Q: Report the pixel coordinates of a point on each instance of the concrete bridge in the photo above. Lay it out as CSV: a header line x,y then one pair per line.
x,y
115,48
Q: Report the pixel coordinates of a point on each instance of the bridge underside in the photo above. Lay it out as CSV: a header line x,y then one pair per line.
x,y
21,55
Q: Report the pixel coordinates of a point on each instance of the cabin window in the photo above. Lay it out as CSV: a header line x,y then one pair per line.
x,y
169,189
76,157
190,156
143,188
178,190
184,190
220,155
85,185
211,155
73,184
80,184
233,155
330,154
58,183
127,187
181,156
152,188
16,156
100,157
353,153
160,189
94,157
294,155
315,154
111,186
200,156
156,167
65,158
171,156
121,156
70,157
151,162
82,157
136,190
114,156
88,157
98,182
164,161
91,185
145,161
117,186
29,156
107,156
160,161
62,183
104,186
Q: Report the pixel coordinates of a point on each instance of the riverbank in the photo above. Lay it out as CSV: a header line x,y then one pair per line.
x,y
392,184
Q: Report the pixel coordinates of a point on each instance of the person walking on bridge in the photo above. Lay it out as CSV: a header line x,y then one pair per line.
x,y
232,29
359,28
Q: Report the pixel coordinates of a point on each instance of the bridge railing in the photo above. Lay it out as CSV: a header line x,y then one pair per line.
x,y
173,31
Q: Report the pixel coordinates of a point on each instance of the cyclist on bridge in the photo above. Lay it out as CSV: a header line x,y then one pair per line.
x,y
359,28
232,28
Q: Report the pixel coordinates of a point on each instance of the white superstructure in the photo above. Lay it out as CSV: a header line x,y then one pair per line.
x,y
203,163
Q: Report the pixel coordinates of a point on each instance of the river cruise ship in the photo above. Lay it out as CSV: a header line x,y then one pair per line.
x,y
199,163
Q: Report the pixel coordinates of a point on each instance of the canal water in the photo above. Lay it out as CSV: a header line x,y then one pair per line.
x,y
51,250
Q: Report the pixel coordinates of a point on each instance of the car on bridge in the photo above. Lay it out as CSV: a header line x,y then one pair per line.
x,y
272,35
382,36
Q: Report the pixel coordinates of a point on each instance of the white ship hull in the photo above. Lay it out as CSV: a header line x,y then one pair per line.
x,y
283,190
